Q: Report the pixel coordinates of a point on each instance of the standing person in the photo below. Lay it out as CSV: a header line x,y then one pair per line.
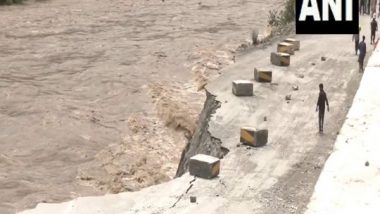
x,y
369,7
356,38
362,53
361,7
321,103
373,30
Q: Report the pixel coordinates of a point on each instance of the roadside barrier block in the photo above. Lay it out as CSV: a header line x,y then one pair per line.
x,y
296,43
285,47
253,137
242,88
263,75
280,59
204,166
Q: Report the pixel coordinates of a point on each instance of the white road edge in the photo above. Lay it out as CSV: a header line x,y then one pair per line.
x,y
350,180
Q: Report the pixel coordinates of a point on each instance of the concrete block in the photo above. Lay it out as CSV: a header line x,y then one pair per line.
x,y
296,43
204,166
253,137
285,47
263,75
280,59
242,88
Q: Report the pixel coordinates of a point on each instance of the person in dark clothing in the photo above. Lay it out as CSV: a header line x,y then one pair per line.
x,y
362,53
356,38
368,7
362,7
321,104
373,30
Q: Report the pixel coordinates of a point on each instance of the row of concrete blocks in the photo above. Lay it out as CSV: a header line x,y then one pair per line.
x,y
280,58
245,87
205,166
284,50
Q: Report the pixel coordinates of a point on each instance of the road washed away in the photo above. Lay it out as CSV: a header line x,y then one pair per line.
x,y
277,178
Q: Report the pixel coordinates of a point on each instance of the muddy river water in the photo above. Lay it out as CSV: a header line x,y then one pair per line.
x,y
89,88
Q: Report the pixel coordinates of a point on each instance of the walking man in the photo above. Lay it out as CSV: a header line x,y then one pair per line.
x,y
321,103
356,38
362,53
373,30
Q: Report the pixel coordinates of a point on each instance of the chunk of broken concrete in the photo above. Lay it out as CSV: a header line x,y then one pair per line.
x,y
242,88
204,166
367,163
255,36
280,59
285,47
288,97
296,43
253,137
193,199
295,88
263,75
323,58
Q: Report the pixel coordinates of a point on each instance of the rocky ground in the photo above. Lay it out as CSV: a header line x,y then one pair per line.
x,y
89,89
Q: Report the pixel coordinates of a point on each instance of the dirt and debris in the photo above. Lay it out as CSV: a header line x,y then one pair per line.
x,y
367,163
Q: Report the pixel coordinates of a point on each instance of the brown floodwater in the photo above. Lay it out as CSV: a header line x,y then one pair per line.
x,y
88,89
